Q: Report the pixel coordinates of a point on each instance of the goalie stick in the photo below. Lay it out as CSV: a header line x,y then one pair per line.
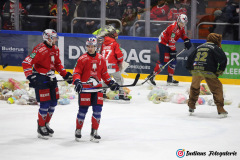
x,y
162,67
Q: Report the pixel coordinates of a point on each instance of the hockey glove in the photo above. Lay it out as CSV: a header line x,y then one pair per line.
x,y
33,81
68,77
187,43
78,86
219,73
113,85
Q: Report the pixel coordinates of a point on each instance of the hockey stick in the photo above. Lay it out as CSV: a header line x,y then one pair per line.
x,y
128,85
160,69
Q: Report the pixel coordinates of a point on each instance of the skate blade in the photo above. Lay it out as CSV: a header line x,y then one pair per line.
x,y
50,135
78,139
94,140
43,137
222,115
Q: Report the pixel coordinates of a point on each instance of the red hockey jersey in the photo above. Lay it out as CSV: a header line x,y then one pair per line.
x,y
174,13
91,69
159,13
44,59
112,53
171,34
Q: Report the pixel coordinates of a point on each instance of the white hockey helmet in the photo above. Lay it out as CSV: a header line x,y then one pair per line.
x,y
182,18
49,34
13,1
91,41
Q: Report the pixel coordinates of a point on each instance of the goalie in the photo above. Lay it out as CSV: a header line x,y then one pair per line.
x,y
113,55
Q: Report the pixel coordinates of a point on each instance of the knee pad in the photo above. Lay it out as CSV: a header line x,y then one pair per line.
x,y
82,112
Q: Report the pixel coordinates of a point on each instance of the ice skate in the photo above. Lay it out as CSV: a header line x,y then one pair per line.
x,y
49,130
171,81
42,132
78,135
222,112
94,136
191,110
152,79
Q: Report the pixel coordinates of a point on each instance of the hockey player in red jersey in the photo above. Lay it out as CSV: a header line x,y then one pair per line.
x,y
90,69
113,55
39,68
167,48
176,11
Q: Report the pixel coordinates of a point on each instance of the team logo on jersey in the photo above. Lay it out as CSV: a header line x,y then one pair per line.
x,y
93,81
173,35
32,55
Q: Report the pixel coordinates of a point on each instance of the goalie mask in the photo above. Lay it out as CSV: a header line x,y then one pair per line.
x,y
49,35
111,31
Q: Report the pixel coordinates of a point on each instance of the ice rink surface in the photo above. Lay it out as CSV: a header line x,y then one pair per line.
x,y
140,130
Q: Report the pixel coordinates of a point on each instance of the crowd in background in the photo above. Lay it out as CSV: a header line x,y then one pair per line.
x,y
127,11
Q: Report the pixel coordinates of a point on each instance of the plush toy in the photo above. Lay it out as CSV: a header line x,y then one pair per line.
x,y
178,98
204,90
64,101
201,101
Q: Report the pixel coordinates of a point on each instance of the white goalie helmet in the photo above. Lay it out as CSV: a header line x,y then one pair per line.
x,y
49,35
182,18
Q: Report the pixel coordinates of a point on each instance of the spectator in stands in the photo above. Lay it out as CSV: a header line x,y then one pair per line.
x,y
128,18
231,15
218,18
93,11
113,12
159,13
8,14
140,26
176,11
77,9
65,19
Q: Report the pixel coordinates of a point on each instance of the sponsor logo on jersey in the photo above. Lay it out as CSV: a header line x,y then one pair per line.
x,y
32,55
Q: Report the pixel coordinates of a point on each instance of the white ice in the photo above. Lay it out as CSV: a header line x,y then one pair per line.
x,y
140,130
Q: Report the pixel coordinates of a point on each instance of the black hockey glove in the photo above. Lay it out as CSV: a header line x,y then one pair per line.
x,y
33,81
68,77
187,43
113,85
78,86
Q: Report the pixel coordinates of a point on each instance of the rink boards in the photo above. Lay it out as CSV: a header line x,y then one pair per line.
x,y
140,52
